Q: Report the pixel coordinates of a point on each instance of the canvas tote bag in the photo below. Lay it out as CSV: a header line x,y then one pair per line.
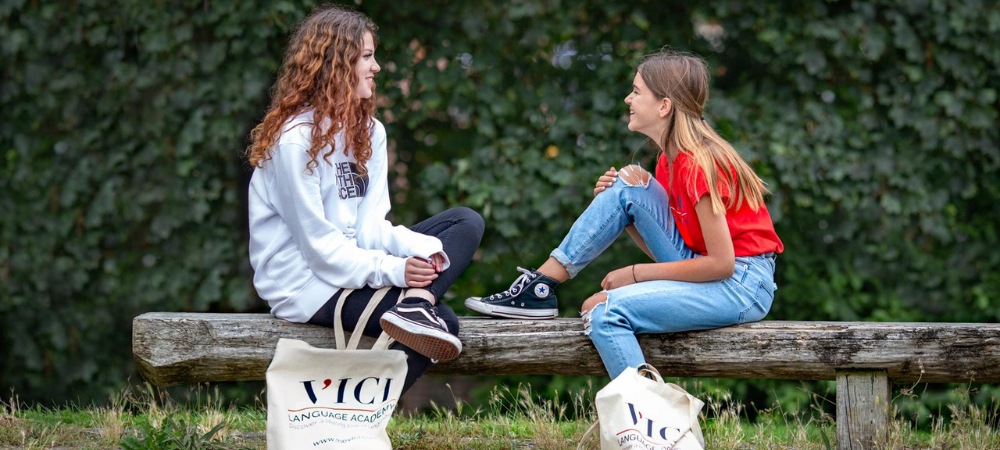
x,y
639,411
334,398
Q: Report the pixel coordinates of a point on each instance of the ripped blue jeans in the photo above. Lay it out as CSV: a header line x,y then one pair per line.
x,y
660,306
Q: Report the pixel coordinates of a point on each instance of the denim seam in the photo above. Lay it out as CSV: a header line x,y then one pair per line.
x,y
641,206
664,223
743,314
613,342
746,271
590,239
755,303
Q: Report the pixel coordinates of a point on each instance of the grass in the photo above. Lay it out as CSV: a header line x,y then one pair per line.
x,y
513,418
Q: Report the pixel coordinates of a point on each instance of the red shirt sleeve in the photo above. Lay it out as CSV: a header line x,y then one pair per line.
x,y
686,184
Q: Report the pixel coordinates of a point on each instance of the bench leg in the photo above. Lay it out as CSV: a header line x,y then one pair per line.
x,y
863,398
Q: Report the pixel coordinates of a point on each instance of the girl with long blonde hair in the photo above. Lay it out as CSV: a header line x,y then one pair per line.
x,y
700,217
318,201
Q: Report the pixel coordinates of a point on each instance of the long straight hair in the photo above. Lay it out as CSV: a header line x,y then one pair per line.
x,y
683,78
318,73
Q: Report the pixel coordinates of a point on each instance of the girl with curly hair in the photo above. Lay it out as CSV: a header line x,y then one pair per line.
x,y
318,201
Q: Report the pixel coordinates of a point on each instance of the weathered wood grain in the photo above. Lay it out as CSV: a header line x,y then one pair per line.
x,y
176,348
863,404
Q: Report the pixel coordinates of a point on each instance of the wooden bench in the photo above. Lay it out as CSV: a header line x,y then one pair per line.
x,y
863,357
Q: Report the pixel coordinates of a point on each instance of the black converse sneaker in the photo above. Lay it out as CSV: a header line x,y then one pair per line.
x,y
416,325
531,296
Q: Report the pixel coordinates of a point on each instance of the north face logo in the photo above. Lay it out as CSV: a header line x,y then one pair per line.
x,y
541,290
349,183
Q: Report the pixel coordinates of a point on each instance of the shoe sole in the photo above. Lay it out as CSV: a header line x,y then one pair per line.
x,y
484,308
434,344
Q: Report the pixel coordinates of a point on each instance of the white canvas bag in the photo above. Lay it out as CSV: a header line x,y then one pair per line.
x,y
334,398
639,413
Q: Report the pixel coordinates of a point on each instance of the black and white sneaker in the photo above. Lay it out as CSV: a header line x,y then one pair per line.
x,y
532,296
416,325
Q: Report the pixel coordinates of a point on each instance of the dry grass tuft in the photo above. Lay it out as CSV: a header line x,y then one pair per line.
x,y
512,418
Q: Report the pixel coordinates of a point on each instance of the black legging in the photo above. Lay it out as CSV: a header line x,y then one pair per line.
x,y
460,230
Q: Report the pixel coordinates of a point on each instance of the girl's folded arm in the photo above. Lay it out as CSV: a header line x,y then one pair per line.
x,y
718,264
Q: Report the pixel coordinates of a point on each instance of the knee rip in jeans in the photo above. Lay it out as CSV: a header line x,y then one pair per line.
x,y
585,315
634,178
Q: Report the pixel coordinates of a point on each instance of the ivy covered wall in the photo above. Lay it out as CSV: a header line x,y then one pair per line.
x,y
122,185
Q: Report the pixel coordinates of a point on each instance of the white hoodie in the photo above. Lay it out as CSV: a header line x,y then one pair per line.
x,y
314,233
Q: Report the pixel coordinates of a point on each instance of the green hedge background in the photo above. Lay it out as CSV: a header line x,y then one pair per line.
x,y
122,126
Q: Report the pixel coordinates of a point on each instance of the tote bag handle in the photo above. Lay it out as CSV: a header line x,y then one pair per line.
x,y
649,371
383,342
590,432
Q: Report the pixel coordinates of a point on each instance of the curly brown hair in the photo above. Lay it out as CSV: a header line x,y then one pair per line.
x,y
318,74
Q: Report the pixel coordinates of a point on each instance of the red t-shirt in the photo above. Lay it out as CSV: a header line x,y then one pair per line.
x,y
752,231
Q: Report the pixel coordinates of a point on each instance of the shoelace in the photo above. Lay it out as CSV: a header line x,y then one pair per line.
x,y
439,320
429,311
517,285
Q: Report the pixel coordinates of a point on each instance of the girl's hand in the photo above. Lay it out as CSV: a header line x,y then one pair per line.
x,y
605,181
419,272
618,278
437,260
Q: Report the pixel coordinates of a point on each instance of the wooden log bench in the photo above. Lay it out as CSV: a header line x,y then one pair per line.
x,y
864,358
